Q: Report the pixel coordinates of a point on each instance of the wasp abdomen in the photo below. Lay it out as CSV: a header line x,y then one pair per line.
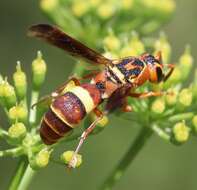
x,y
67,111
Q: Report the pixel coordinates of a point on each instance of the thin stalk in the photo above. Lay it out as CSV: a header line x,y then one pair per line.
x,y
18,175
144,134
181,116
22,176
27,177
161,133
12,152
34,99
33,111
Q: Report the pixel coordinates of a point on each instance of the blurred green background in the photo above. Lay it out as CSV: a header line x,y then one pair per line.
x,y
159,166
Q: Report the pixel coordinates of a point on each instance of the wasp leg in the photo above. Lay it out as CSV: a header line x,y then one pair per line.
x,y
171,67
146,94
47,100
83,137
98,112
125,106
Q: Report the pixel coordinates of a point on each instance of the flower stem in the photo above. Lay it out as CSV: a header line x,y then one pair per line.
x,y
144,134
26,179
18,175
34,99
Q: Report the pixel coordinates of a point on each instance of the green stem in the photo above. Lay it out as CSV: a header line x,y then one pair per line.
x,y
27,177
161,133
22,176
12,152
33,111
144,134
181,116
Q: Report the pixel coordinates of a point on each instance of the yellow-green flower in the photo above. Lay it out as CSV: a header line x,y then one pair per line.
x,y
158,106
67,156
181,132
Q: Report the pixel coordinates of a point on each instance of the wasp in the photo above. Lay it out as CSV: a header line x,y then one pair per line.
x,y
73,100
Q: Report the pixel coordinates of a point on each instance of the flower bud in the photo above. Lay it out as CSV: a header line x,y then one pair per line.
x,y
185,97
20,81
105,10
137,47
48,5
41,160
94,3
102,123
166,6
18,113
17,131
7,94
80,7
163,45
194,122
127,4
171,97
39,70
111,42
68,155
158,106
181,132
185,63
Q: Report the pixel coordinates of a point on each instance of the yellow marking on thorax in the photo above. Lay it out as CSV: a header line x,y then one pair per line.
x,y
118,73
84,96
71,84
61,116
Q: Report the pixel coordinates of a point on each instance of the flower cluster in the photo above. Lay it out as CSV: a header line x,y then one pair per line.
x,y
94,17
24,122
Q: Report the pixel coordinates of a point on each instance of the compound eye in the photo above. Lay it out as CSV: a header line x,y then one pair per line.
x,y
159,74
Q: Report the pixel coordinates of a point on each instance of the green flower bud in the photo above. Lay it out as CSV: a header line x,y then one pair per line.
x,y
137,47
174,79
127,4
80,7
166,6
95,3
20,81
48,5
68,155
102,123
171,97
17,132
18,113
185,97
194,122
158,106
181,132
7,94
134,47
185,63
163,45
111,42
41,159
39,70
105,10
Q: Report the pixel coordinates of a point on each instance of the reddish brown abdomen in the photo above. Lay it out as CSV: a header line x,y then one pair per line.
x,y
65,113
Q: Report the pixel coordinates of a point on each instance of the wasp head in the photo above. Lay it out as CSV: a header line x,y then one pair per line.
x,y
155,67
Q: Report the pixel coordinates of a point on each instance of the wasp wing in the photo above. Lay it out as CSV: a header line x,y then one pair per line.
x,y
56,37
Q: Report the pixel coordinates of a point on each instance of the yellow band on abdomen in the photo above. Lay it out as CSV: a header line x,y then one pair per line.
x,y
84,96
